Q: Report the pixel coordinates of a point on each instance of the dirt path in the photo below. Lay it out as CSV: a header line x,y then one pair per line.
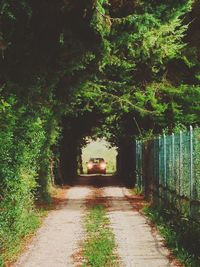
x,y
59,237
137,244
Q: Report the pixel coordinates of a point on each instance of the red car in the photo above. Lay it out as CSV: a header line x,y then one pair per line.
x,y
96,165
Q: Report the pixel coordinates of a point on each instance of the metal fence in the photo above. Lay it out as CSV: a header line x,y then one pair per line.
x,y
174,170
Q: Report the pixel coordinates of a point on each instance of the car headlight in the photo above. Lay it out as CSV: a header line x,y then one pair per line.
x,y
90,165
103,165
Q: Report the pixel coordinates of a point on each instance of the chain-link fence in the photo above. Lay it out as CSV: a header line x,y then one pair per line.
x,y
172,170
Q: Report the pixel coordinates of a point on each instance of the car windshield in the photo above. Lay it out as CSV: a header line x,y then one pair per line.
x,y
97,160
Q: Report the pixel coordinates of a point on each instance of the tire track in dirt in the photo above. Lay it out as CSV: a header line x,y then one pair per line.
x,y
137,245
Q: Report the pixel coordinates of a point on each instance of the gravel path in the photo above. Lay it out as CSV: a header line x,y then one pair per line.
x,y
58,238
57,242
137,245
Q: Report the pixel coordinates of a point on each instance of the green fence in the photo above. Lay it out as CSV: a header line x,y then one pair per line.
x,y
172,170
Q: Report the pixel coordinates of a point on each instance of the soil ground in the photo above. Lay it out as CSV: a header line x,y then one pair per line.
x,y
57,243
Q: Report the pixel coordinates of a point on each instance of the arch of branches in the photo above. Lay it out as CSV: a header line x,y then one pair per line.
x,y
131,68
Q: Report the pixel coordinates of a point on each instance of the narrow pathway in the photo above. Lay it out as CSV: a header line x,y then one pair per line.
x,y
58,238
57,242
137,245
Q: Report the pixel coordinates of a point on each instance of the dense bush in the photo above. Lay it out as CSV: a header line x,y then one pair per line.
x,y
26,137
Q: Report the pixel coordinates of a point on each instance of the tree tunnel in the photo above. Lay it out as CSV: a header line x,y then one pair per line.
x,y
74,131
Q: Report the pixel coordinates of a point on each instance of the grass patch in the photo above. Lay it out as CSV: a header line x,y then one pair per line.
x,y
98,249
136,191
15,241
181,234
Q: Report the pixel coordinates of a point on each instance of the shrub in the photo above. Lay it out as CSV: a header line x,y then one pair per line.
x,y
25,150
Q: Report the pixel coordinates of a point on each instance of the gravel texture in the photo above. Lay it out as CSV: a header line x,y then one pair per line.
x,y
57,242
137,244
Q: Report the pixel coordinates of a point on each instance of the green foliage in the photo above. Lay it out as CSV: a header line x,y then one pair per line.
x,y
136,191
46,157
149,40
130,78
128,50
101,21
24,141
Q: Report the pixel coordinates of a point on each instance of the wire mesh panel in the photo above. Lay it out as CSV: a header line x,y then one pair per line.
x,y
169,174
186,165
176,169
196,163
195,208
177,164
161,161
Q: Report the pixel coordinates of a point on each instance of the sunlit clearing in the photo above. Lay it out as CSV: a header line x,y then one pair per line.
x,y
99,149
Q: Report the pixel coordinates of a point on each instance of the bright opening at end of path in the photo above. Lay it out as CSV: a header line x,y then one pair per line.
x,y
99,148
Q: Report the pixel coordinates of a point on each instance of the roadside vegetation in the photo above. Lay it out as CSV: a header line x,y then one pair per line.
x,y
25,171
99,246
182,235
15,240
136,191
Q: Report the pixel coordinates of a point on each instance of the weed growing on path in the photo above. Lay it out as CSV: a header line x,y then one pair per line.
x,y
98,249
136,191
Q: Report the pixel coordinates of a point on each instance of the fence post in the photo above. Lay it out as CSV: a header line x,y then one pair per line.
x,y
180,162
139,177
191,164
154,165
159,166
141,167
191,169
136,160
173,159
165,160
